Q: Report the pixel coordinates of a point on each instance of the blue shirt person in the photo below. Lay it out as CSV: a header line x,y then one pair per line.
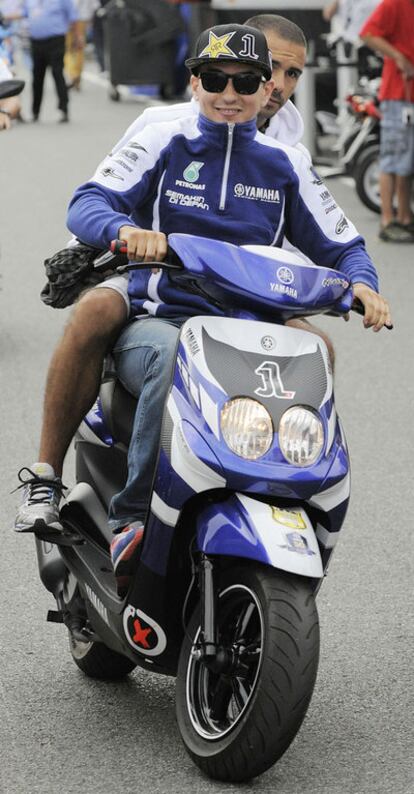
x,y
48,18
48,23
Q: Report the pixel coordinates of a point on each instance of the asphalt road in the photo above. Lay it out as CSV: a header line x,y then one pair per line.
x,y
61,733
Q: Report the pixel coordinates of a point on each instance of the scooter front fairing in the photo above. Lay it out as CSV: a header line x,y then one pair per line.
x,y
218,360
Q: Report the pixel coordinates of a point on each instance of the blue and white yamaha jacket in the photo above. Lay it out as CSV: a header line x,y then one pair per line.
x,y
224,181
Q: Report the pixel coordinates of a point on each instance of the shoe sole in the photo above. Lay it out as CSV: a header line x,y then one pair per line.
x,y
39,524
397,242
50,534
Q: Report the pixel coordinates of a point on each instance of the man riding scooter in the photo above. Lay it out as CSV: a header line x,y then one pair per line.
x,y
218,176
99,314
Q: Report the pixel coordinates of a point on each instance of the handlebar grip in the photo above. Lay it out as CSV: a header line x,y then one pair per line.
x,y
118,247
358,307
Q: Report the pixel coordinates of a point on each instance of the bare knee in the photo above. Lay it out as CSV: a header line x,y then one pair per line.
x,y
97,318
305,325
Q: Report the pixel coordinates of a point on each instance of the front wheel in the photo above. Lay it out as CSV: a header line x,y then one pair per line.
x,y
238,723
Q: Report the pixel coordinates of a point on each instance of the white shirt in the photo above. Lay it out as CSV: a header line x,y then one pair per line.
x,y
351,16
86,9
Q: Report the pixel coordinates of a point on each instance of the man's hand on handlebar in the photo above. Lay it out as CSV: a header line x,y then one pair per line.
x,y
143,245
377,312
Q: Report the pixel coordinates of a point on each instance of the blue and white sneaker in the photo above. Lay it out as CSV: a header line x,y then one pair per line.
x,y
42,492
123,549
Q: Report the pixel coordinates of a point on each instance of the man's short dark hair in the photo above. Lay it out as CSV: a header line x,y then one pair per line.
x,y
283,27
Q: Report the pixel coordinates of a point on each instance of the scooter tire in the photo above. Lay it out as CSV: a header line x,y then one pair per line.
x,y
366,175
271,700
96,660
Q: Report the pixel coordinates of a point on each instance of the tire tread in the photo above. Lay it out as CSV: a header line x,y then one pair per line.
x,y
280,702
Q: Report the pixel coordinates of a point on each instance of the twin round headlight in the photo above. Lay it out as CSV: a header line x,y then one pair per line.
x,y
301,436
247,429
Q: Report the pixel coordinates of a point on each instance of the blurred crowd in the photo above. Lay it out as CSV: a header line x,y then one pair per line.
x,y
16,28
157,37
37,35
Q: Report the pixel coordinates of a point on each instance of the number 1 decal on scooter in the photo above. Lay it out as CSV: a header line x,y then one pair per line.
x,y
272,386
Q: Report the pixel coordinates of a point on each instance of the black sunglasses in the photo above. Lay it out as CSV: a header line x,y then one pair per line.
x,y
243,82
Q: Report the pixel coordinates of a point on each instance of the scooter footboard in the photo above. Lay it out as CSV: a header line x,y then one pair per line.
x,y
244,527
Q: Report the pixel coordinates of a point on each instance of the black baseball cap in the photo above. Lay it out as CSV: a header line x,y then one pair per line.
x,y
234,44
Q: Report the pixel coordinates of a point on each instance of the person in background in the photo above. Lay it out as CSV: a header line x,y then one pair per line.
x,y
48,23
75,42
390,31
6,37
98,34
13,10
349,16
346,18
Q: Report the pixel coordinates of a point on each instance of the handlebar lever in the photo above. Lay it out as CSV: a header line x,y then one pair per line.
x,y
146,265
120,247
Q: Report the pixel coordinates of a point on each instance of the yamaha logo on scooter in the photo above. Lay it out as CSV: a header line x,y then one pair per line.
x,y
285,275
268,343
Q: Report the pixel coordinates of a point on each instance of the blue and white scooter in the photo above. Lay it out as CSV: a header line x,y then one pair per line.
x,y
248,500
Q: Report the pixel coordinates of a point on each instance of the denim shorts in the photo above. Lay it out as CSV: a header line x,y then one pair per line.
x,y
397,138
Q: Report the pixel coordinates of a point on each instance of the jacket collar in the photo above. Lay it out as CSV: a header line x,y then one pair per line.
x,y
217,133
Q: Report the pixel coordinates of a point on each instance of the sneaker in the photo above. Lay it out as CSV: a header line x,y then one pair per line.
x,y
395,233
409,227
42,492
123,549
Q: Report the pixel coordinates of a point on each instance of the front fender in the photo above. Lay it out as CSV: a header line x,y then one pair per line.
x,y
243,527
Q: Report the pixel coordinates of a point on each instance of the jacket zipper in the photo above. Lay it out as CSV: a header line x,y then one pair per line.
x,y
226,168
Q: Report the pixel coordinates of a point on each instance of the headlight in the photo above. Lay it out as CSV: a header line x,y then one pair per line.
x,y
301,436
247,427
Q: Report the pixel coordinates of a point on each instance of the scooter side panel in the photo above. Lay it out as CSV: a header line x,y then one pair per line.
x,y
244,527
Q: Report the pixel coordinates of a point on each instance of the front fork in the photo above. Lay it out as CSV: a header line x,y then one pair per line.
x,y
208,608
217,658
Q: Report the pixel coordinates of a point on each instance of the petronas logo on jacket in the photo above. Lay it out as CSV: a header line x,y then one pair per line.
x,y
192,172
